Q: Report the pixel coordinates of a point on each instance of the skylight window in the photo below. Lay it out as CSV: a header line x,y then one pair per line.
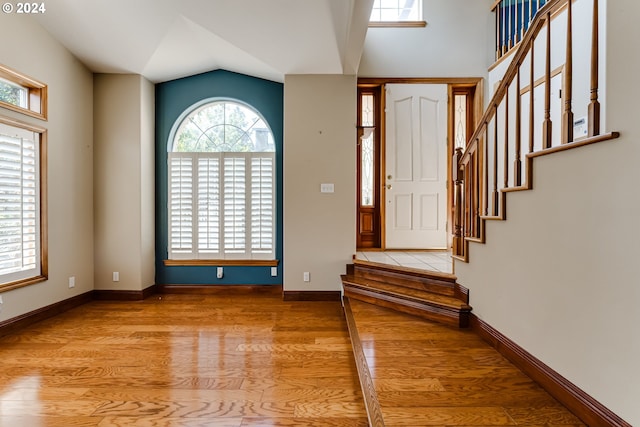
x,y
388,11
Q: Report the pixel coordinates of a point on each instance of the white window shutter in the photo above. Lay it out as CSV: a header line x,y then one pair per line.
x,y
262,204
235,208
181,201
209,205
19,203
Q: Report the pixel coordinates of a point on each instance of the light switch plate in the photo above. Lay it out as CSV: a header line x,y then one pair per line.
x,y
327,188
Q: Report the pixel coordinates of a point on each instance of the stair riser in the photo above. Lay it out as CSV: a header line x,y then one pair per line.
x,y
441,287
454,318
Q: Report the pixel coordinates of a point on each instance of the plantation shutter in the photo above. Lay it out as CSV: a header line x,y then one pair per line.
x,y
209,205
232,195
262,207
181,206
19,203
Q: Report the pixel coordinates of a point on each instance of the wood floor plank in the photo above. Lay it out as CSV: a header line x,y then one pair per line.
x,y
427,374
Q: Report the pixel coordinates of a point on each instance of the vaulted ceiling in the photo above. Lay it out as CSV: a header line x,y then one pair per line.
x,y
167,39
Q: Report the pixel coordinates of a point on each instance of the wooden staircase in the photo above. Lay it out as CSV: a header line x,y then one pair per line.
x,y
428,294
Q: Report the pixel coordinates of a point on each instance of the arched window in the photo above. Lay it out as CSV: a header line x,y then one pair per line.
x,y
221,184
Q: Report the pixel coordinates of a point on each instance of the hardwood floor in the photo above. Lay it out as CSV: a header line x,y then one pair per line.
x,y
183,360
255,360
427,374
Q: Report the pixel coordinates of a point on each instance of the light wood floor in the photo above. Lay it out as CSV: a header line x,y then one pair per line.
x,y
183,361
426,374
239,360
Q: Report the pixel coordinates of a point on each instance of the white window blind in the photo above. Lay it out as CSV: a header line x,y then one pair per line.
x,y
233,194
19,204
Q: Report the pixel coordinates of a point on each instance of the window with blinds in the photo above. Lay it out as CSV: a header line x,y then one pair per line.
x,y
20,222
221,185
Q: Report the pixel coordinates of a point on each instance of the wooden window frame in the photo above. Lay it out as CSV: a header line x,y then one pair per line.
x,y
44,252
397,24
36,96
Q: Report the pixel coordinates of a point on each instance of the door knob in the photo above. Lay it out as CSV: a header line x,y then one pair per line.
x,y
388,186
389,177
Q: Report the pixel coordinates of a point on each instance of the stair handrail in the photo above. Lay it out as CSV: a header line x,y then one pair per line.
x,y
472,204
510,74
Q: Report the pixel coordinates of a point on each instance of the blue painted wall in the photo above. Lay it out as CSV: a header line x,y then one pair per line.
x,y
172,99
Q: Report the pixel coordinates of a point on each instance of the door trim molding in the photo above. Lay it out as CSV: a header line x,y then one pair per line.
x,y
477,83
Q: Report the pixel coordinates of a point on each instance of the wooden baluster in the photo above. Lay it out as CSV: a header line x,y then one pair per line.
x,y
522,27
517,173
531,103
546,125
457,220
472,192
504,27
495,165
498,33
594,105
486,169
509,27
506,139
567,117
476,195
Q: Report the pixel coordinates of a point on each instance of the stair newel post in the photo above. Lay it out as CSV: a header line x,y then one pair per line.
x,y
594,105
546,124
567,117
517,173
458,176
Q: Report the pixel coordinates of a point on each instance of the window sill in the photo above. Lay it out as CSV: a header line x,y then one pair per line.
x,y
222,262
397,24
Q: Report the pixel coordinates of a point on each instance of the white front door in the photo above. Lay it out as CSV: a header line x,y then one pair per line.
x,y
416,166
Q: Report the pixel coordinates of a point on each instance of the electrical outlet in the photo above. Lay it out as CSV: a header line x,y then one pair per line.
x,y
274,271
72,281
220,273
306,276
116,276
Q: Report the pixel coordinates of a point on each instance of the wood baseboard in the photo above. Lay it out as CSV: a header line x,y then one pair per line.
x,y
312,296
461,293
117,295
585,407
10,325
371,402
218,289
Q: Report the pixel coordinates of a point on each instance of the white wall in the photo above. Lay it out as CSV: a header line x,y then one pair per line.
x,y
124,186
319,147
560,276
26,48
458,41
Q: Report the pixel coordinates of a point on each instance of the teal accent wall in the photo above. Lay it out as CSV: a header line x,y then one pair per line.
x,y
172,99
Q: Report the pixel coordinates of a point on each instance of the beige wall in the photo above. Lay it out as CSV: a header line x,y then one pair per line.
x,y
458,41
319,147
560,276
123,170
29,49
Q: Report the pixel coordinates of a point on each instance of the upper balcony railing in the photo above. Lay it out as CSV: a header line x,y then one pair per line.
x,y
513,18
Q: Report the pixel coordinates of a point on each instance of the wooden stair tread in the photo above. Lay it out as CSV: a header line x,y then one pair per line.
x,y
408,271
405,292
